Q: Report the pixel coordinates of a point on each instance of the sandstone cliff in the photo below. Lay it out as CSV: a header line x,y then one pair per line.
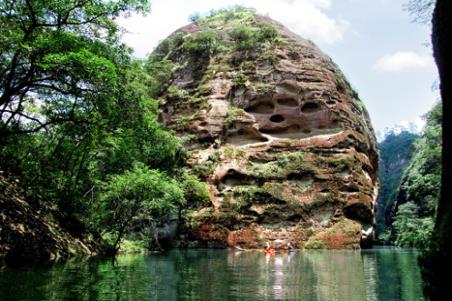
x,y
274,128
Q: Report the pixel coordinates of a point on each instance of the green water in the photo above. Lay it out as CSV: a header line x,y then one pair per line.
x,y
378,274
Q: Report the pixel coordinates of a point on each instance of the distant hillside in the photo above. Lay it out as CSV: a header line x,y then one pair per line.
x,y
396,151
411,212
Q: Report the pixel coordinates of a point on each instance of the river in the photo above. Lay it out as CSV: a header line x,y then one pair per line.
x,y
386,274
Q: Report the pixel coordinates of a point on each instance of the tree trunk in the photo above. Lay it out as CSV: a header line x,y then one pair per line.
x,y
437,262
115,248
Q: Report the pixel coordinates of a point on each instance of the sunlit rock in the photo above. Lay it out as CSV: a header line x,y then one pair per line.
x,y
271,124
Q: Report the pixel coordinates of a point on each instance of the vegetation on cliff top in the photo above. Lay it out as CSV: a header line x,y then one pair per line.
x,y
226,33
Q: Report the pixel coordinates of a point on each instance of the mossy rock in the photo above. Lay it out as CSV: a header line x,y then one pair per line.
x,y
345,234
291,144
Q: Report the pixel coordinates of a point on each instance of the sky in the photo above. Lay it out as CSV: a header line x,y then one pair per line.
x,y
385,56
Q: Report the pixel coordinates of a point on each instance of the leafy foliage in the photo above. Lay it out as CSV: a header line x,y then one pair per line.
x,y
58,57
202,44
414,207
396,152
246,37
421,182
411,230
243,37
140,191
78,127
195,191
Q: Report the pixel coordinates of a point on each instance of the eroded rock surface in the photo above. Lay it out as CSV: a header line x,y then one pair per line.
x,y
276,131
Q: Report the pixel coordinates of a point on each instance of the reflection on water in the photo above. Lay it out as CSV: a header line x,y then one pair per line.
x,y
378,274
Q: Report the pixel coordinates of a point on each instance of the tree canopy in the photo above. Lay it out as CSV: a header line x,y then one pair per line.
x,y
140,191
59,61
77,119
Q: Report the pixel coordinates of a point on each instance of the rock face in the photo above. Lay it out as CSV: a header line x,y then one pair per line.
x,y
276,131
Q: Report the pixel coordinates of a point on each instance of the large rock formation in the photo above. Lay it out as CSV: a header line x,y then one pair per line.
x,y
276,131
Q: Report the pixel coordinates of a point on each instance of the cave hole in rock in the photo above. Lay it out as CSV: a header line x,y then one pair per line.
x,y
338,213
330,102
296,217
350,189
261,108
242,137
288,102
302,182
234,178
358,212
300,176
205,138
277,118
258,158
310,107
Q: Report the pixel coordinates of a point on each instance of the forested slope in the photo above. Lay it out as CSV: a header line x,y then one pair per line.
x,y
396,151
411,210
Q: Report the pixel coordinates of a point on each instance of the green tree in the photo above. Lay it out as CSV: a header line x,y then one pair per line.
x,y
195,192
203,44
57,61
79,128
410,230
140,191
74,107
421,181
243,37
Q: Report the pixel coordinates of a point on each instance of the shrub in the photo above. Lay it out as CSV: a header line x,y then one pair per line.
x,y
195,191
138,192
201,44
314,245
410,230
161,72
243,37
266,33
